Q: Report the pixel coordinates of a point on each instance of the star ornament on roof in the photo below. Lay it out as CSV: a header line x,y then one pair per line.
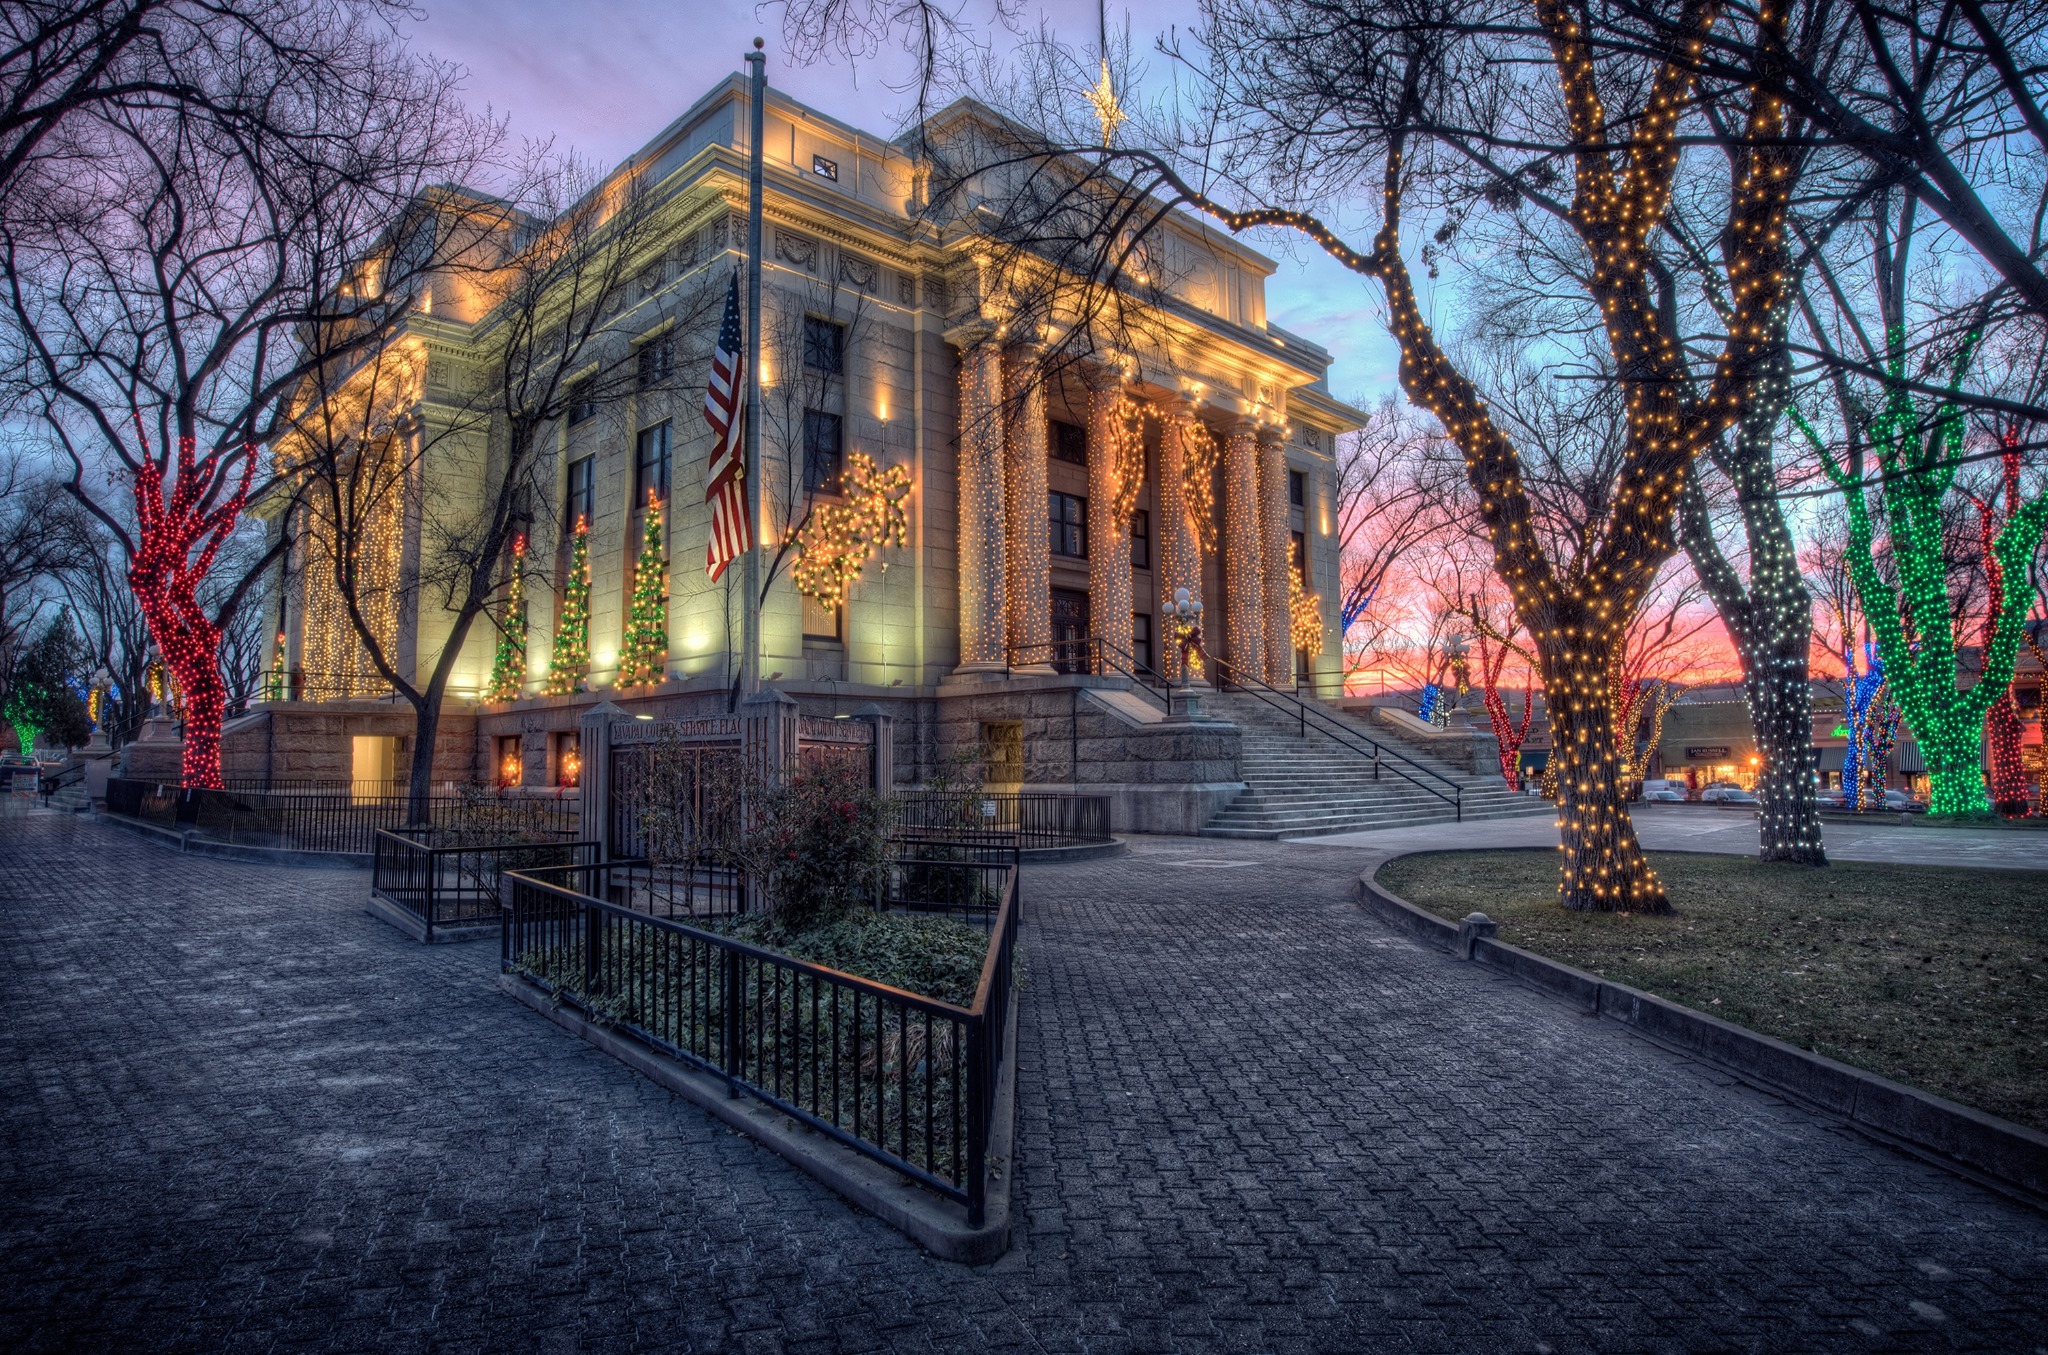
x,y
1108,110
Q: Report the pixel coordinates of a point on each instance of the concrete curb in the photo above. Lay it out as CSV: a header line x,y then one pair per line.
x,y
403,919
1085,851
1978,1145
938,1225
193,844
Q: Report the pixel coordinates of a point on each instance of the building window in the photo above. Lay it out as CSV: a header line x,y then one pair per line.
x,y
821,621
825,169
1069,442
511,763
824,345
1069,525
1141,539
576,502
1297,488
1297,555
582,402
1141,640
657,362
821,451
569,759
650,465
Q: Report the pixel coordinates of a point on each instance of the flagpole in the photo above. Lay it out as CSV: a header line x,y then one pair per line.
x,y
757,98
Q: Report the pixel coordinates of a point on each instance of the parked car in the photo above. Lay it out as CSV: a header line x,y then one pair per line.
x,y
1904,803
1664,795
1829,798
1727,795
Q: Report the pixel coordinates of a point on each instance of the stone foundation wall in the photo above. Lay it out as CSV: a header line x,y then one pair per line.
x,y
304,740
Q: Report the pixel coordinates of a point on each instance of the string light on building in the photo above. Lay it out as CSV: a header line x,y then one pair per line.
x,y
508,665
643,657
836,544
983,526
570,664
1305,616
273,682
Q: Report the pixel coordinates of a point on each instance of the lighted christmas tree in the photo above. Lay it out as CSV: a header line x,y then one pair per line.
x,y
571,661
273,684
508,667
646,649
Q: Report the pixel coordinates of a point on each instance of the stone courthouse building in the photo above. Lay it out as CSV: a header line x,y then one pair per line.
x,y
1049,501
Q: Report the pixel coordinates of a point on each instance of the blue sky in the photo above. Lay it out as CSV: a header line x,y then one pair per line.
x,y
602,78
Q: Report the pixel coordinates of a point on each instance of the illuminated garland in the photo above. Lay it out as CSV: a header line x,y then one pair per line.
x,y
1917,472
1305,616
839,540
508,665
570,663
644,654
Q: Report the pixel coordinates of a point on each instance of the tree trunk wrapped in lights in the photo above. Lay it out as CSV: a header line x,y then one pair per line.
x,y
177,538
1508,732
569,665
1921,667
1770,621
2003,728
643,656
1578,612
508,665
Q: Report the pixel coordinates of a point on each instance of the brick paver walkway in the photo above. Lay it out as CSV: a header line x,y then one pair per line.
x,y
241,1115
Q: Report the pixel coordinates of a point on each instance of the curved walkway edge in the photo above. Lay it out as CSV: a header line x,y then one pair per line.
x,y
1984,1147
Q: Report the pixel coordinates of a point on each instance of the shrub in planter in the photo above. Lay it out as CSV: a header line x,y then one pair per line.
x,y
819,844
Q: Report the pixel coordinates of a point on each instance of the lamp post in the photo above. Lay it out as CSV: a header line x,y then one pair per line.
x,y
1457,717
1183,616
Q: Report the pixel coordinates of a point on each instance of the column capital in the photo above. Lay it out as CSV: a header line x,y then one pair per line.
x,y
1270,433
971,333
1105,371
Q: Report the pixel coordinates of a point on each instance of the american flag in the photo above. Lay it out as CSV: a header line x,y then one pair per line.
x,y
732,534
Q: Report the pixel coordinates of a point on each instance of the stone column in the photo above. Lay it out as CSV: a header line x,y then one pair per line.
x,y
1109,532
1180,557
1243,553
594,781
1276,555
1029,586
981,517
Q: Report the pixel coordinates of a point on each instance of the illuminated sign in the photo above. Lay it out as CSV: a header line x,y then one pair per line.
x,y
1707,750
1839,732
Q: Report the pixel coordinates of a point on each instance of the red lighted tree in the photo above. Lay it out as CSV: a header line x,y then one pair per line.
x,y
2003,728
178,254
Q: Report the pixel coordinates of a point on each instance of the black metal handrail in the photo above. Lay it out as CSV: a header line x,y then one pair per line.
x,y
1098,657
1345,736
446,885
49,783
1040,819
336,820
905,1079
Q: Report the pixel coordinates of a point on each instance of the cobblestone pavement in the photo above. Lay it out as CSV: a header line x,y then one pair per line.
x,y
241,1115
1696,828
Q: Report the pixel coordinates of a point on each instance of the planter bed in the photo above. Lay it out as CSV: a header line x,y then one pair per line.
x,y
656,958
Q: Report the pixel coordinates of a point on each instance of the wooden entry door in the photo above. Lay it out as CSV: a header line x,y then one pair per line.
x,y
1070,630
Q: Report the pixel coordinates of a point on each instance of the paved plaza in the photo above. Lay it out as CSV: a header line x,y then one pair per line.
x,y
240,1115
1703,828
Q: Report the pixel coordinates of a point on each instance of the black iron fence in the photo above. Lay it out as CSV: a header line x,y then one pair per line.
x,y
445,880
336,819
905,1079
1037,819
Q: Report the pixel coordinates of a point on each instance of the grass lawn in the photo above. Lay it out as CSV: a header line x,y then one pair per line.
x,y
1932,975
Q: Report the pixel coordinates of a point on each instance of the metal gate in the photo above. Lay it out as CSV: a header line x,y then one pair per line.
x,y
674,784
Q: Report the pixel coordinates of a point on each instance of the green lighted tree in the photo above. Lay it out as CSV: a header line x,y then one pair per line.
x,y
508,666
645,652
1917,462
571,661
41,702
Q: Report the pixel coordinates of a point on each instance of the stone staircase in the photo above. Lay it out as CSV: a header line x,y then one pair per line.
x,y
1302,786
